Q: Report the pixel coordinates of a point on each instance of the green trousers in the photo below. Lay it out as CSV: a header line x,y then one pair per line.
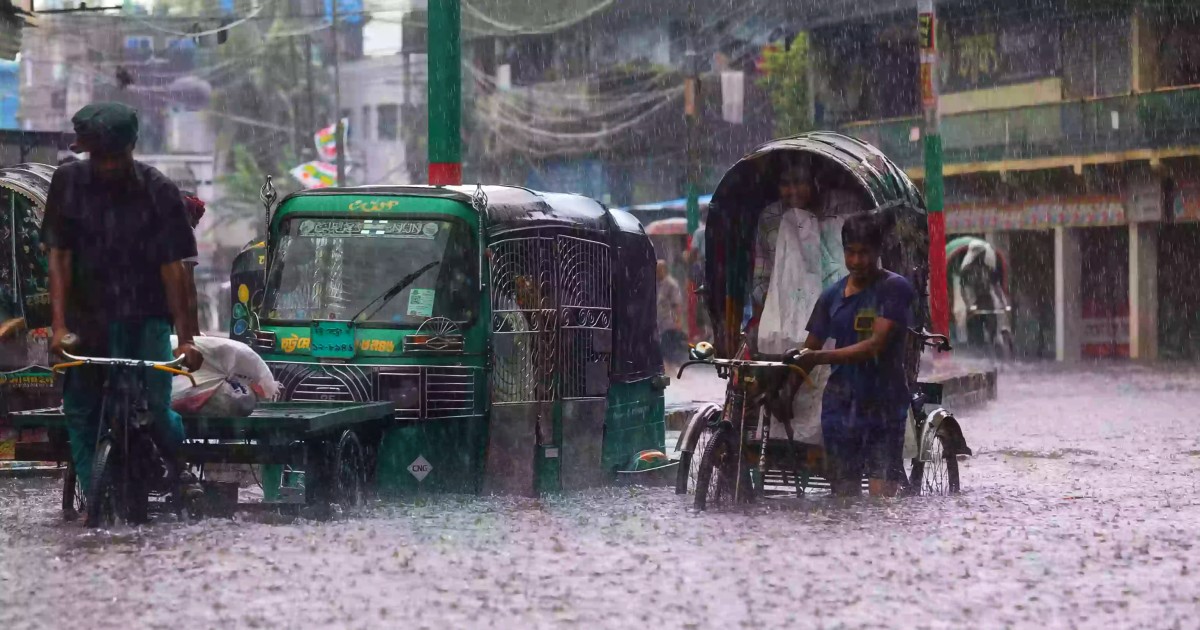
x,y
83,388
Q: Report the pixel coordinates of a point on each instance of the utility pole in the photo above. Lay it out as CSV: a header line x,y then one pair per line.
x,y
939,302
691,114
445,92
312,97
337,100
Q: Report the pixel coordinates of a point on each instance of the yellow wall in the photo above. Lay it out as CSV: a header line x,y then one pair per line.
x,y
1006,97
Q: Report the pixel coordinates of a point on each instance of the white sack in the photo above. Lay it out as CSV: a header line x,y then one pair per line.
x,y
231,381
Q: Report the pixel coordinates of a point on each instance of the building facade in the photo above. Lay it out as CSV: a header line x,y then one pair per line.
x,y
1070,141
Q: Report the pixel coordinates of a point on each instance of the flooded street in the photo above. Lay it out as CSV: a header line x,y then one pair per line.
x,y
1080,509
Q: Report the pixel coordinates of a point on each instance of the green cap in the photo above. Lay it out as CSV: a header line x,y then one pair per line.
x,y
107,126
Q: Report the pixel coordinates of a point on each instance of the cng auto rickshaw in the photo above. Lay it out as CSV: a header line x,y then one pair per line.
x,y
512,331
736,451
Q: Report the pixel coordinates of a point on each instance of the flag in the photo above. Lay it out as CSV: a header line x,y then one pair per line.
x,y
315,174
326,140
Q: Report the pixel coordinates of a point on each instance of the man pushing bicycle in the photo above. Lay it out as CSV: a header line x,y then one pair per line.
x,y
118,234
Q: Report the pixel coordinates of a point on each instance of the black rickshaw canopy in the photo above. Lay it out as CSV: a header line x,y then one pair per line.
x,y
24,270
838,162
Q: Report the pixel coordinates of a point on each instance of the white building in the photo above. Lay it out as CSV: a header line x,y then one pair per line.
x,y
376,93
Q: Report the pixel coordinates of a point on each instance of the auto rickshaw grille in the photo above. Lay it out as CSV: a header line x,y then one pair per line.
x,y
322,387
449,392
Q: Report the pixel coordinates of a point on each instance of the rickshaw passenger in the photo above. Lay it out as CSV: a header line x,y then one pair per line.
x,y
866,400
796,255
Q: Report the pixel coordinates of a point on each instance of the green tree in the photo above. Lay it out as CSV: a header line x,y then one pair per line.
x,y
260,97
785,79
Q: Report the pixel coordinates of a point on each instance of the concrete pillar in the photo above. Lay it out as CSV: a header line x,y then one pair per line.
x,y
1068,304
1143,291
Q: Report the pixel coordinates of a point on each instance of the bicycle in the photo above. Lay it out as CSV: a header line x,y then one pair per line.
x,y
129,465
737,462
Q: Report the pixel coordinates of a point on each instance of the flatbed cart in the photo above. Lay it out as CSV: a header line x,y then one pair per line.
x,y
313,454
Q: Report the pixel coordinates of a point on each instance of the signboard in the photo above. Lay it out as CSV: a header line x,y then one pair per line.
x,y
984,53
926,37
420,468
32,379
1036,214
316,228
928,93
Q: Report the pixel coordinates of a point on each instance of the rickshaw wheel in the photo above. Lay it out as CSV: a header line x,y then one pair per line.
x,y
716,480
349,471
938,476
689,463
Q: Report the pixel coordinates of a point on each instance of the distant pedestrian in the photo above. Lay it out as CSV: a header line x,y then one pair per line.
x,y
671,339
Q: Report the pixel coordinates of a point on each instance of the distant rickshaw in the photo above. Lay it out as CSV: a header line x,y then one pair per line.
x,y
978,275
739,450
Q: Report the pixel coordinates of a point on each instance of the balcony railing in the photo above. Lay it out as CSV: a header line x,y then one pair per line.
x,y
1152,121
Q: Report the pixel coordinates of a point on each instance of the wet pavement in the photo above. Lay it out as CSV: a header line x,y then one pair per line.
x,y
1080,509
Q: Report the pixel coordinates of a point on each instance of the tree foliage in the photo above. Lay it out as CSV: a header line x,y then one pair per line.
x,y
260,99
785,79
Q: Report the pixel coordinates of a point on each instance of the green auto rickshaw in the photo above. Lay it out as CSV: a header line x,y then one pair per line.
x,y
512,330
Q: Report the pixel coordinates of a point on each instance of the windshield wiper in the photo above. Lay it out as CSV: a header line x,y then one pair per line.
x,y
394,291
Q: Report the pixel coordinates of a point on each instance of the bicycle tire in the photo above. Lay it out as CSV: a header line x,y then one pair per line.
x,y
102,497
940,475
73,493
720,459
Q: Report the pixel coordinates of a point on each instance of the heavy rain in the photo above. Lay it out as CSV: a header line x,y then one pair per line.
x,y
599,313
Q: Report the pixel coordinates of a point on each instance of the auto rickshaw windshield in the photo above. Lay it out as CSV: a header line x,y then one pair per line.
x,y
330,268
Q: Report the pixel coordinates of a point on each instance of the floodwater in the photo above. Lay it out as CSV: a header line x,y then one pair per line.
x,y
1080,510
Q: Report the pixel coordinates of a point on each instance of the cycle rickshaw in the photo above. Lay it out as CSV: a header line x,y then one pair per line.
x,y
739,450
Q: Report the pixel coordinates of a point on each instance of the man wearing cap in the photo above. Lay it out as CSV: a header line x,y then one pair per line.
x,y
118,233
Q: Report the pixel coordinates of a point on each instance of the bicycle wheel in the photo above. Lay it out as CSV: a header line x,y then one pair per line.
x,y
73,493
938,476
102,497
716,479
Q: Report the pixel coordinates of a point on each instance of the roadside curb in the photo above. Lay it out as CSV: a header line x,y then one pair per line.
x,y
28,470
967,389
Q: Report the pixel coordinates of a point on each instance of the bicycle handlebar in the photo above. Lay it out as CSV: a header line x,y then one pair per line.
x,y
744,363
170,367
941,343
173,363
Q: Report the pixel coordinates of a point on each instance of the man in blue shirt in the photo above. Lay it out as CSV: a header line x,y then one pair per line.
x,y
866,401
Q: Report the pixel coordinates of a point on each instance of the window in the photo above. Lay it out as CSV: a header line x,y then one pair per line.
x,y
336,267
389,122
139,42
365,123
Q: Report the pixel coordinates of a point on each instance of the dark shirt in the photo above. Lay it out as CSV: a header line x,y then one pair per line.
x,y
849,320
120,234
